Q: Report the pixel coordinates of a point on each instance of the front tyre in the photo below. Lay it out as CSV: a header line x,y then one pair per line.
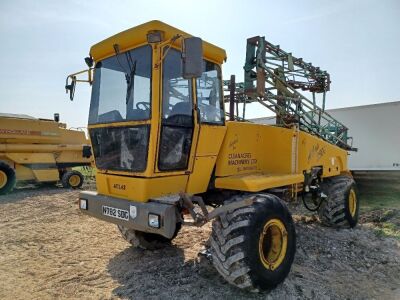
x,y
144,240
253,247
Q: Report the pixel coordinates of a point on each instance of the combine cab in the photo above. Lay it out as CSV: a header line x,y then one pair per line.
x,y
40,150
165,153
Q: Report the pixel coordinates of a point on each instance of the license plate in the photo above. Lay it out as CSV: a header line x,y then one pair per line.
x,y
115,213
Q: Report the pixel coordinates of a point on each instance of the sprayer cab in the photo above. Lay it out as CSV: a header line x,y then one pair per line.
x,y
151,87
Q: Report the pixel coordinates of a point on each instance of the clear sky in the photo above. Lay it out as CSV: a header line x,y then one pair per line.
x,y
41,42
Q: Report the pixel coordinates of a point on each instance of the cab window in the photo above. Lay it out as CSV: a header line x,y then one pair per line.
x,y
209,94
177,115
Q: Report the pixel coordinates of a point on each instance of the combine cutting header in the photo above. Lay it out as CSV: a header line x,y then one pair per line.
x,y
272,77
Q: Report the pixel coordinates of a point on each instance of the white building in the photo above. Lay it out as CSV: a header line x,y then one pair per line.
x,y
376,133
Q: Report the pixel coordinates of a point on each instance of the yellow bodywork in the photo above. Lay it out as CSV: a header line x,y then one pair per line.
x,y
137,36
256,157
36,149
235,155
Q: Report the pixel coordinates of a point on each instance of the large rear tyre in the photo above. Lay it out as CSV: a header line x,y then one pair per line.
x,y
8,178
144,240
253,247
342,205
72,179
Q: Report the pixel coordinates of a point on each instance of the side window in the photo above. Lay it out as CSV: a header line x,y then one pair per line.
x,y
177,116
177,98
209,97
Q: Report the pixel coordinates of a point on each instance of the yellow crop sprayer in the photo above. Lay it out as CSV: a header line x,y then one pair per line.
x,y
166,152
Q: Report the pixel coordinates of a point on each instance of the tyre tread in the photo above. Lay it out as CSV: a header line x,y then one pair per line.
x,y
228,240
65,179
11,178
333,210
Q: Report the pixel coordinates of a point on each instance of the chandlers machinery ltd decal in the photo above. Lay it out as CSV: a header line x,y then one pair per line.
x,y
244,161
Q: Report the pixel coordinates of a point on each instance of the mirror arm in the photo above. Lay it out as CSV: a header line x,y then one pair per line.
x,y
89,71
71,87
169,45
90,76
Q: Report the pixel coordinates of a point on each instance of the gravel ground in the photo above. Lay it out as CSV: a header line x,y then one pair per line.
x,y
48,250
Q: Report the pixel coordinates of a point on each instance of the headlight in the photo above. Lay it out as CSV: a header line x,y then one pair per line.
x,y
83,204
132,211
154,220
155,36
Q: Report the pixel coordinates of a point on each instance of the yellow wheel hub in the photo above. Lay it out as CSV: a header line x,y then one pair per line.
x,y
3,179
352,202
74,180
272,244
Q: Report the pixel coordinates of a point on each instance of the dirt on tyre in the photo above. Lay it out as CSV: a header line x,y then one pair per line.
x,y
72,179
145,240
342,205
253,247
8,178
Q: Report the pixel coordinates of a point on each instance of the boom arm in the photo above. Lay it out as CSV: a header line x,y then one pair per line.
x,y
273,78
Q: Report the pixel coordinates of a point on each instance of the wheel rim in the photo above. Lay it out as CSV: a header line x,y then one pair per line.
x,y
352,202
3,179
273,244
74,180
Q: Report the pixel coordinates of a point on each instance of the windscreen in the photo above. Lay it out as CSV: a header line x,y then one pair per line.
x,y
120,148
122,87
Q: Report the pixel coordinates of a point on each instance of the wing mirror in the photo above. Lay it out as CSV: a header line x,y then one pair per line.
x,y
192,57
70,87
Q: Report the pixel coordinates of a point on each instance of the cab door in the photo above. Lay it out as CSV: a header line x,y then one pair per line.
x,y
178,129
212,129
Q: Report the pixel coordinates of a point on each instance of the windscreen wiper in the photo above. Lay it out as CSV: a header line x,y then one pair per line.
x,y
116,50
130,78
